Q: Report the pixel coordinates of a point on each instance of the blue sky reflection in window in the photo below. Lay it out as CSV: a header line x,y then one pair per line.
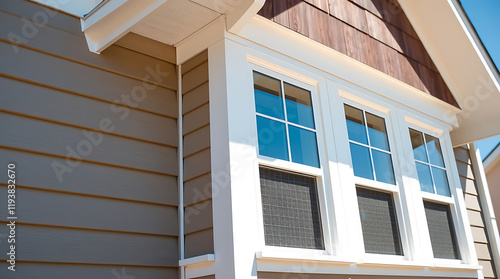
x,y
369,145
285,121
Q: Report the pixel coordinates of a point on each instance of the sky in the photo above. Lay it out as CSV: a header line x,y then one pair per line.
x,y
484,16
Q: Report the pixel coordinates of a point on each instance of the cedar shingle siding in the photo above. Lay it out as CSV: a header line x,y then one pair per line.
x,y
375,32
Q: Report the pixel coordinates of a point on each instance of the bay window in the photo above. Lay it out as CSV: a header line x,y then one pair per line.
x,y
302,169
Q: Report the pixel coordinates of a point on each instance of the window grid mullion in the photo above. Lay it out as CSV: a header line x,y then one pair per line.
x,y
286,122
430,166
372,147
290,123
369,146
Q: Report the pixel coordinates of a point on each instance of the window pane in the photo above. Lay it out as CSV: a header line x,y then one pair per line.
x,y
291,210
268,98
361,161
272,138
434,149
441,230
303,146
424,176
382,163
377,131
355,124
299,106
379,223
441,182
417,142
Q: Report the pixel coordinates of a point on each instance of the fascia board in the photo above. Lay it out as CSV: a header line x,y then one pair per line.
x,y
113,20
462,65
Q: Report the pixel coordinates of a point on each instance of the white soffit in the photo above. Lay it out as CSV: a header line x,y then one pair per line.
x,y
175,20
463,65
166,21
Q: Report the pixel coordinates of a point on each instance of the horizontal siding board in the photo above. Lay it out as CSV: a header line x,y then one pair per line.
x,y
472,202
199,243
197,164
475,218
42,14
57,139
32,270
465,170
198,189
36,171
195,77
85,80
76,211
482,250
196,141
85,112
195,98
65,245
487,269
148,46
479,235
198,217
468,186
196,119
194,62
75,48
462,154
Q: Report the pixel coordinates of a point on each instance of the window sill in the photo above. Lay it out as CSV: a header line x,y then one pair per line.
x,y
288,261
310,255
207,258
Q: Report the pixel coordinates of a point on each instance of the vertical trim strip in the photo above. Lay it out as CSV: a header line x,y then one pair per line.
x,y
180,178
486,205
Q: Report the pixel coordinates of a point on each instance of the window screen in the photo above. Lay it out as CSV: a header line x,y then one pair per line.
x,y
444,244
379,222
291,210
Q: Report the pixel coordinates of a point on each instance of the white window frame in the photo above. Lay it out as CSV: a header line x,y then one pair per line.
x,y
312,85
338,203
442,133
384,111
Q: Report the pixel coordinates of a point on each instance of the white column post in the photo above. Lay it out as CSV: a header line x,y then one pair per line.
x,y
234,163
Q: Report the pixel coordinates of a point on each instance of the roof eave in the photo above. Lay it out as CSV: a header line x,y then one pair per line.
x,y
464,64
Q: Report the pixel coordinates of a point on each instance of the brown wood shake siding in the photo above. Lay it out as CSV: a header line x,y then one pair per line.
x,y
94,141
198,226
375,32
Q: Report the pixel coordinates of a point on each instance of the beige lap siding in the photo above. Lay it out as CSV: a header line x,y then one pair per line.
x,y
474,210
112,210
198,227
